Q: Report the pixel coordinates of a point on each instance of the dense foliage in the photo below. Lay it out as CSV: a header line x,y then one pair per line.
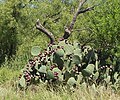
x,y
104,28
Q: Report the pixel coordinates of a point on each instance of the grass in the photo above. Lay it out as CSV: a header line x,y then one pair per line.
x,y
10,91
7,92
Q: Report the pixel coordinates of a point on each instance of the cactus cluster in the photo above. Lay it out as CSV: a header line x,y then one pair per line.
x,y
69,64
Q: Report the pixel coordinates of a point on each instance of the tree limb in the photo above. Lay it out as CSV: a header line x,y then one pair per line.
x,y
68,30
87,9
40,27
76,14
79,29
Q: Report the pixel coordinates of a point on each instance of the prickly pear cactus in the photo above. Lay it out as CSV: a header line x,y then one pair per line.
x,y
67,63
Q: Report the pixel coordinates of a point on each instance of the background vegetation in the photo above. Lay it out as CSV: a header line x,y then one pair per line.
x,y
99,28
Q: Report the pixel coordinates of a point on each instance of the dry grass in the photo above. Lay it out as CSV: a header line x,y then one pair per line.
x,y
8,91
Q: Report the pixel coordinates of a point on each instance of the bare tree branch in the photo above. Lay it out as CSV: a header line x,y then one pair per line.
x,y
68,30
76,14
79,29
85,10
44,30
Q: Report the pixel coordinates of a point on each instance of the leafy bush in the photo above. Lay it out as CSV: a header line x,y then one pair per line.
x,y
102,25
8,32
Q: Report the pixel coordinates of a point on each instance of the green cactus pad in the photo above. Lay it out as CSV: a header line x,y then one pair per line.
x,y
35,50
78,52
116,75
36,65
59,73
22,81
54,46
76,45
68,49
90,67
60,52
56,70
76,59
91,54
50,74
96,75
67,75
62,43
68,64
107,79
79,78
89,70
58,61
86,73
42,69
71,81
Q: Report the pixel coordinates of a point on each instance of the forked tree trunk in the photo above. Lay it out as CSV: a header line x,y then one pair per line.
x,y
69,29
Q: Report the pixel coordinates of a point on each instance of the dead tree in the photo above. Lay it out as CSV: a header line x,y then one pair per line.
x,y
69,29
